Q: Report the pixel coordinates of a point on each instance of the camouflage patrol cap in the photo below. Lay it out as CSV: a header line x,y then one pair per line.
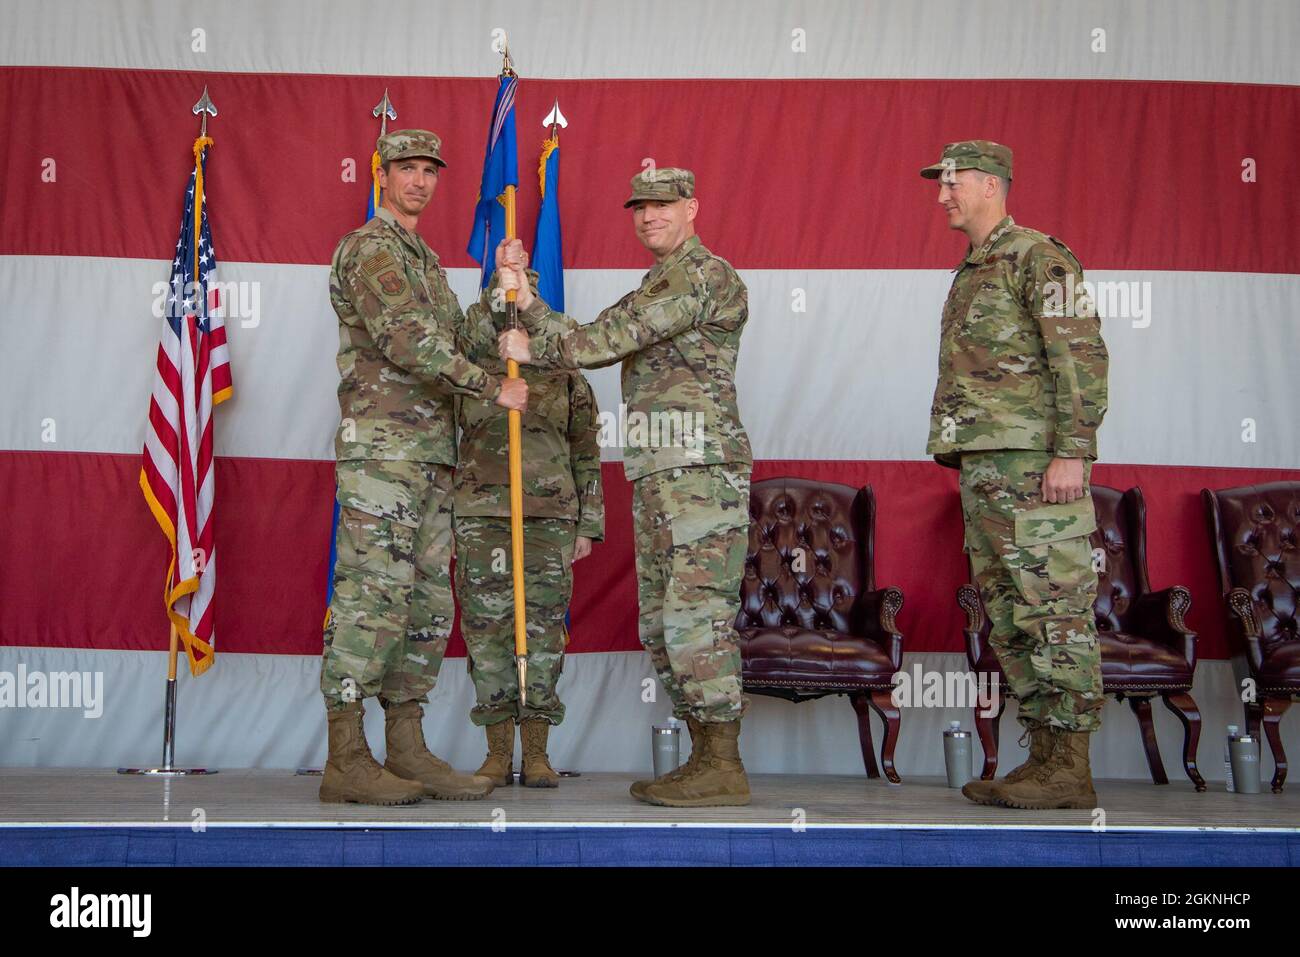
x,y
982,155
664,184
403,144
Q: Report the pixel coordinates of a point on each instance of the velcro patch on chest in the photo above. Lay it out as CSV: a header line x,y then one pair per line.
x,y
674,283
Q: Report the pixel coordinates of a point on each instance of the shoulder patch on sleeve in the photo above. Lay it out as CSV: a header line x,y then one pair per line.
x,y
716,273
1069,253
391,283
1050,258
374,264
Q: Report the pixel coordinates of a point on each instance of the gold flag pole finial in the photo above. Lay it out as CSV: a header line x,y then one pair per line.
x,y
507,64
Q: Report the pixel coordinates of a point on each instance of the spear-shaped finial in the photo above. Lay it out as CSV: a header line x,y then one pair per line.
x,y
555,119
385,112
205,109
507,64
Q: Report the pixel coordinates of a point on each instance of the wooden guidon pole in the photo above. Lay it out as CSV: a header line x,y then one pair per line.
x,y
516,471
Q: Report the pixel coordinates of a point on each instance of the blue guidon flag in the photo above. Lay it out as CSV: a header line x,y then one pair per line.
x,y
548,251
500,169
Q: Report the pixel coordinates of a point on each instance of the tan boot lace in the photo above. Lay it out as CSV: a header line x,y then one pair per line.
x,y
1058,757
361,750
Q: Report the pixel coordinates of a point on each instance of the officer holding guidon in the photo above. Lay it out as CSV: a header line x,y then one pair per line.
x,y
1020,396
563,512
678,338
392,608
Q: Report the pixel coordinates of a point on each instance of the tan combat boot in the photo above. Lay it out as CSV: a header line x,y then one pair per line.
x,y
1040,746
717,781
409,757
351,771
498,766
637,790
1065,780
536,770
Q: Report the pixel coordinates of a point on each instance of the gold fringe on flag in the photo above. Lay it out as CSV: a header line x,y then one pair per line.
x,y
548,147
200,144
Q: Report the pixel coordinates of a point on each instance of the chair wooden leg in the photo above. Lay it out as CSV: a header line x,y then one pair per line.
x,y
987,729
1183,705
1274,708
862,706
884,705
1254,715
1142,708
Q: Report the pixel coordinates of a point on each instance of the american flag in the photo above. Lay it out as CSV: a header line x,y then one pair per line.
x,y
177,476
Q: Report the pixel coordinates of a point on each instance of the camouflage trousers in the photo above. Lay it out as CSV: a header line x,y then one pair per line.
x,y
392,609
1033,564
692,529
485,587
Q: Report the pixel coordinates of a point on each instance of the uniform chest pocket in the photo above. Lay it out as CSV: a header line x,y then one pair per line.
x,y
424,286
548,399
674,284
994,311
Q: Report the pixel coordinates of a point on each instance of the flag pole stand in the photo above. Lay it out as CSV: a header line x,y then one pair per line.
x,y
168,767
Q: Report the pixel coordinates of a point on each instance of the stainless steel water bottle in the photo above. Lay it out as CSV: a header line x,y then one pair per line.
x,y
1244,749
957,756
665,747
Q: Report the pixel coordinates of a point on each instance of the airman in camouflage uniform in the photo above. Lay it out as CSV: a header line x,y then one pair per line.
x,y
688,456
563,511
1020,396
392,608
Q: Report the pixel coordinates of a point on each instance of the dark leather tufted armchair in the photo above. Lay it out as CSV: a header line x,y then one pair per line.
x,y
1146,648
1254,531
812,622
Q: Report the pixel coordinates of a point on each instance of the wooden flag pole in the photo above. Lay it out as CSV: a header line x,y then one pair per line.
x,y
516,489
514,423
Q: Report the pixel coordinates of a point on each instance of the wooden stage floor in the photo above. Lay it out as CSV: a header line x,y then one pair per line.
x,y
253,798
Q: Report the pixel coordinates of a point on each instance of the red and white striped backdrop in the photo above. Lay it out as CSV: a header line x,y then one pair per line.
x,y
806,166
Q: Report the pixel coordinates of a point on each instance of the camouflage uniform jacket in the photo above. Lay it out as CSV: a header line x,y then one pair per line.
x,y
560,430
678,336
397,358
1021,366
